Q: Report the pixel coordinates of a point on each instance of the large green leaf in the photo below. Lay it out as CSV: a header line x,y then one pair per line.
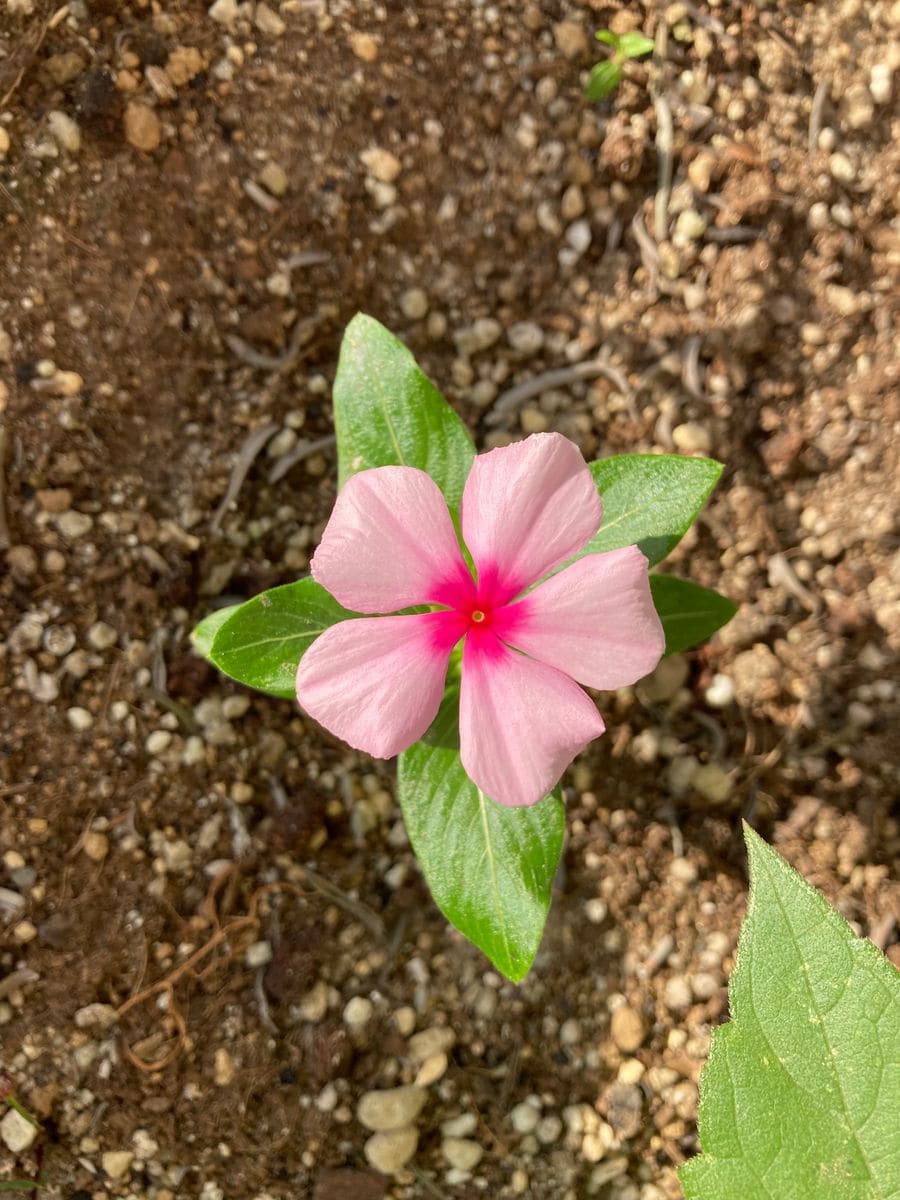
x,y
388,413
650,500
261,642
204,634
800,1099
490,869
689,613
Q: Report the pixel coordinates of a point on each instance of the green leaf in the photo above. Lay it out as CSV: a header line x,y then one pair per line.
x,y
801,1095
605,77
633,45
608,38
204,634
388,413
689,613
650,500
490,869
261,642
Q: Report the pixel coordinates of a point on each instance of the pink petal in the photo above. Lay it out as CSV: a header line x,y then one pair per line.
x,y
520,722
390,544
378,683
595,620
527,508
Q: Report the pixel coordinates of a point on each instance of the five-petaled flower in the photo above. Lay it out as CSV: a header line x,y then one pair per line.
x,y
390,544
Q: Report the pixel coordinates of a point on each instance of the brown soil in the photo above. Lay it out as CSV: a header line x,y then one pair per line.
x,y
759,330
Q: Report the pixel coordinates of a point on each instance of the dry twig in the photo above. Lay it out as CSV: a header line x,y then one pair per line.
x,y
244,461
815,116
300,335
514,397
301,451
166,986
4,526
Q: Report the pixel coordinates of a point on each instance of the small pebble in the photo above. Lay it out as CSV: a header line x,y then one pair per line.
x,y
405,1020
4,142
524,1117
101,636
390,1108
432,1069
274,178
549,1129
459,1127
579,236
571,38
414,304
117,1163
74,524
390,1151
381,164
95,845
692,438
65,131
224,1069
268,21
158,741
437,1040
713,783
96,1016
364,47
17,1132
358,1012
258,954
677,994
627,1029
526,338
142,127
462,1153
720,692
80,719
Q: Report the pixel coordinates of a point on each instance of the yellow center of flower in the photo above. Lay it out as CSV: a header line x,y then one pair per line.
x,y
477,616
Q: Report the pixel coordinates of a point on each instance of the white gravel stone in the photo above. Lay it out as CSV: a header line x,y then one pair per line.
x,y
158,741
65,131
390,1108
720,692
17,1132
481,335
525,337
432,1069
390,1151
459,1127
524,1117
549,1129
692,438
462,1153
677,994
414,304
96,1016
713,783
579,236
258,954
74,524
145,1146
405,1020
437,1040
101,636
595,910
79,718
358,1012
381,164
235,706
117,1163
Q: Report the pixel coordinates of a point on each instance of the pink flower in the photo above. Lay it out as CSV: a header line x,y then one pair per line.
x,y
390,544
